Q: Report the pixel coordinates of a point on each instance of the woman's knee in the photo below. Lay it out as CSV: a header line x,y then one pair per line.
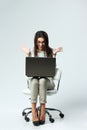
x,y
34,82
42,81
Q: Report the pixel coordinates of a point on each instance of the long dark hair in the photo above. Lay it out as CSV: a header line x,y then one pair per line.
x,y
44,35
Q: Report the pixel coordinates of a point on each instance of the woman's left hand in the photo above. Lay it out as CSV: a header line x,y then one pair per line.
x,y
59,49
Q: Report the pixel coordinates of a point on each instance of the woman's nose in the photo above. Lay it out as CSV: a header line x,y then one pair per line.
x,y
40,44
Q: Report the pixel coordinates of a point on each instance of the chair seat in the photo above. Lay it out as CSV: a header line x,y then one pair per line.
x,y
49,92
26,91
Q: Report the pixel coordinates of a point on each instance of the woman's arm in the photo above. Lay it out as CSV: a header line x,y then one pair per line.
x,y
26,50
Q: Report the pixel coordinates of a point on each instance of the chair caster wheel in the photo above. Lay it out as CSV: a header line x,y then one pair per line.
x,y
61,115
27,119
51,120
23,113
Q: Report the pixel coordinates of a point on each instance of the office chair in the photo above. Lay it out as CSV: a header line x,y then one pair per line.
x,y
27,91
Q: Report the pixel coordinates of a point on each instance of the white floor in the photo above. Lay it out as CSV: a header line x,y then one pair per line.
x,y
75,118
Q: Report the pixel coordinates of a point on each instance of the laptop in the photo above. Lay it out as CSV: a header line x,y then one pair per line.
x,y
40,67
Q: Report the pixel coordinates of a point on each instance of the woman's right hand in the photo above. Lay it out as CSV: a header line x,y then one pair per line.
x,y
26,50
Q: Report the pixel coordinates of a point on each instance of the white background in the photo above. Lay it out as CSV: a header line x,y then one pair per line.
x,y
65,21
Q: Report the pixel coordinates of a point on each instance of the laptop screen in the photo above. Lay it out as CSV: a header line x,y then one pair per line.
x,y
40,67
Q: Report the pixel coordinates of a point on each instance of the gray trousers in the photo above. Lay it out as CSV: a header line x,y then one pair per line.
x,y
39,86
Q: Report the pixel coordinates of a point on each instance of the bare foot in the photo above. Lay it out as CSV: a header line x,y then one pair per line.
x,y
35,116
42,115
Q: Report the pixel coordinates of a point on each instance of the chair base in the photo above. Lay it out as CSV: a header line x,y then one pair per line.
x,y
27,111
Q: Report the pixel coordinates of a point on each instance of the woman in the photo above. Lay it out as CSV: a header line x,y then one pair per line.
x,y
40,85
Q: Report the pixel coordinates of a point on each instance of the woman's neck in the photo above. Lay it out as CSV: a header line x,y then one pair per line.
x,y
40,50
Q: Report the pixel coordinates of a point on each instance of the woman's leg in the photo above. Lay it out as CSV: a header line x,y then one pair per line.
x,y
34,113
34,87
42,94
34,94
42,90
42,113
44,84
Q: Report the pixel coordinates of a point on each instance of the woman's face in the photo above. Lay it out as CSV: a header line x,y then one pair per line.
x,y
41,44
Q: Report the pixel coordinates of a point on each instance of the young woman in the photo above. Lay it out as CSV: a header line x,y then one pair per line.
x,y
39,85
